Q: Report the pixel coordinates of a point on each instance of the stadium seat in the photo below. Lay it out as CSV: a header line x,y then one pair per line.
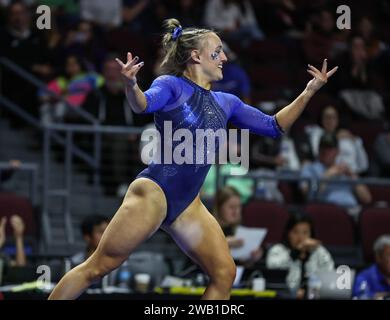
x,y
333,225
374,222
266,214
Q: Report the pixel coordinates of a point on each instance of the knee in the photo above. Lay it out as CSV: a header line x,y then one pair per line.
x,y
224,275
99,267
94,272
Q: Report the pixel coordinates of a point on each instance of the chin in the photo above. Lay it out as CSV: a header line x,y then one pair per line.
x,y
219,77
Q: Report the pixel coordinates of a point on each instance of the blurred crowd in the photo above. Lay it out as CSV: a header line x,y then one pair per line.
x,y
268,44
344,132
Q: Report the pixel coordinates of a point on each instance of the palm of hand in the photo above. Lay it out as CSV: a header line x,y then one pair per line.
x,y
130,69
320,77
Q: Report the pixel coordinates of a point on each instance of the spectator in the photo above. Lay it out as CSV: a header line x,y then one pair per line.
x,y
326,167
382,154
374,45
134,13
244,186
84,43
92,229
374,282
235,19
299,253
65,12
20,43
227,211
270,157
351,149
19,38
7,174
18,230
281,17
319,39
189,12
107,14
357,64
73,87
360,84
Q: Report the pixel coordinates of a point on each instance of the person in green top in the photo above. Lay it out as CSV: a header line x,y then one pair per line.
x,y
244,185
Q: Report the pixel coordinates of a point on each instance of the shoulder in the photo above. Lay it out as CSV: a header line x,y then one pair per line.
x,y
228,98
167,80
278,256
313,129
278,249
321,250
368,272
313,166
170,83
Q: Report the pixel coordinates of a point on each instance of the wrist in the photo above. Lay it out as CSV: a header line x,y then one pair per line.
x,y
130,83
308,93
18,237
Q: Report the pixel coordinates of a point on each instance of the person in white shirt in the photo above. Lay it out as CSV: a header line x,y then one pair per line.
x,y
102,12
300,253
351,148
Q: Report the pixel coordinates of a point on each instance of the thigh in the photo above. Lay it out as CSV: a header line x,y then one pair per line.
x,y
139,216
199,235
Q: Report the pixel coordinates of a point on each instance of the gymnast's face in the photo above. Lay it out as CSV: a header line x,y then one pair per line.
x,y
230,211
212,57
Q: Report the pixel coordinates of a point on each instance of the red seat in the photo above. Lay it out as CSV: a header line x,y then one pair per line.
x,y
11,204
287,191
380,193
333,225
374,222
268,49
368,131
269,215
268,76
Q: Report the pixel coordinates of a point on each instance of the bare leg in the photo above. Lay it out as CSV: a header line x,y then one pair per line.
x,y
139,216
199,235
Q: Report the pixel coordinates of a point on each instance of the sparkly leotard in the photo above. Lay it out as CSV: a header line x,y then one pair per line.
x,y
189,106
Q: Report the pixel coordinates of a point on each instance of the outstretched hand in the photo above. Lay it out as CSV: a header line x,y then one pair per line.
x,y
17,225
130,68
320,77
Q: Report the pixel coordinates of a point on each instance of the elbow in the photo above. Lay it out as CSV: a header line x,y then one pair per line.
x,y
367,199
138,110
280,127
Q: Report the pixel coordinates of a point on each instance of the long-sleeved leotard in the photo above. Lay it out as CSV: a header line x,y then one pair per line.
x,y
188,106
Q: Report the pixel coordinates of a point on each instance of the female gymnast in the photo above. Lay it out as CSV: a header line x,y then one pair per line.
x,y
167,195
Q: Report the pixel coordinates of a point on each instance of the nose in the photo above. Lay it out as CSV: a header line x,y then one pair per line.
x,y
224,57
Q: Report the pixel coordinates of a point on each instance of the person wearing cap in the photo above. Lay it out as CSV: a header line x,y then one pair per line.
x,y
326,167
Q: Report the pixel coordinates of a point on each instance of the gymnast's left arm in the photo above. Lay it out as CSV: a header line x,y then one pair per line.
x,y
287,116
248,117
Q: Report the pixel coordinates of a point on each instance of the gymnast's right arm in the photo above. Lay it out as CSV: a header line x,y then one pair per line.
x,y
149,101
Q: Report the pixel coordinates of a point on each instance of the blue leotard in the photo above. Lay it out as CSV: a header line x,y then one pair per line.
x,y
189,106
